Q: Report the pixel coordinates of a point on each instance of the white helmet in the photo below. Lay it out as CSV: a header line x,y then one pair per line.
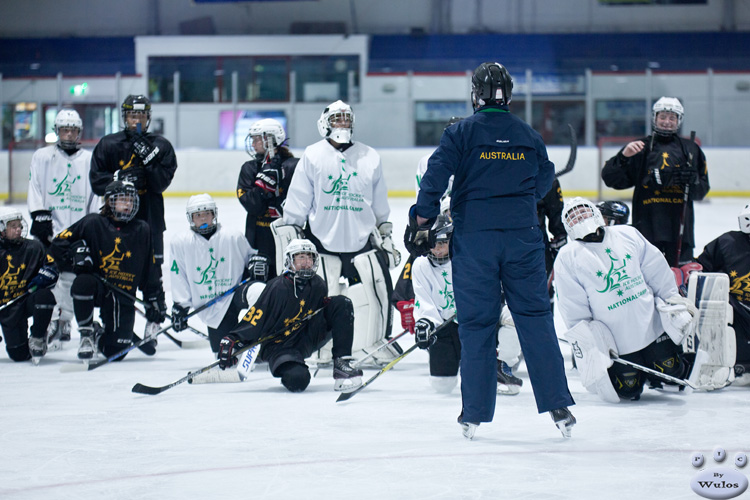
x,y
68,118
7,215
295,247
202,203
671,104
581,217
271,132
744,219
338,109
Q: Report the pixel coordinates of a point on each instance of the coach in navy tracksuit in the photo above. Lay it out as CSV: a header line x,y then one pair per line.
x,y
501,170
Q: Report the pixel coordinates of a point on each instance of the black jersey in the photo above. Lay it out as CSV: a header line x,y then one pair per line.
x,y
263,207
657,209
730,254
115,152
279,309
122,252
19,263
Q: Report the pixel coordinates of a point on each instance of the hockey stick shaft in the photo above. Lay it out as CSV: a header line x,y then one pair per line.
x,y
348,395
11,302
683,215
177,341
573,152
145,389
644,369
360,361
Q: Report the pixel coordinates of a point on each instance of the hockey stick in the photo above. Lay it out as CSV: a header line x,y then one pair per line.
x,y
361,361
348,395
683,215
644,369
145,389
11,302
181,343
573,153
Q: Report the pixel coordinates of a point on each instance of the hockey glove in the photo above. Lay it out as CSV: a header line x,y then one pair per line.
x,y
156,308
46,277
683,176
179,317
144,149
556,244
394,256
416,236
134,175
423,336
227,347
268,180
406,309
82,262
257,268
41,226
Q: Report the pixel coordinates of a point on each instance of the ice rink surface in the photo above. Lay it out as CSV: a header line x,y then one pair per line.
x,y
85,435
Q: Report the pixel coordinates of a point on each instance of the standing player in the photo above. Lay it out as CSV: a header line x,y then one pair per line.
x,y
26,272
59,195
666,171
117,247
617,295
501,170
207,261
263,184
288,298
146,160
338,189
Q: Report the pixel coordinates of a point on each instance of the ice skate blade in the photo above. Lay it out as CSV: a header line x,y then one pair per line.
x,y
508,390
35,360
468,430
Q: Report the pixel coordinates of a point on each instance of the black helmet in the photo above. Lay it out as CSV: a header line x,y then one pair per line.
x,y
136,103
453,120
614,212
491,84
441,231
115,191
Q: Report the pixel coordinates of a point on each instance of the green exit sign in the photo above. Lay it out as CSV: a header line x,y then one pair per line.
x,y
80,89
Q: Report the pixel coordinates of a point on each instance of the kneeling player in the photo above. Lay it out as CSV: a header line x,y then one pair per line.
x,y
114,246
617,295
206,262
26,272
280,309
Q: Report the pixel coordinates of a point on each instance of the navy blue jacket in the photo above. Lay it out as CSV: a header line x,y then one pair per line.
x,y
501,170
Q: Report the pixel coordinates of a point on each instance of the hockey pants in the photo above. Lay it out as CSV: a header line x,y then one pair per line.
x,y
15,322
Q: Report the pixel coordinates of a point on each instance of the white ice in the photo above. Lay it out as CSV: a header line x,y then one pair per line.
x,y
85,435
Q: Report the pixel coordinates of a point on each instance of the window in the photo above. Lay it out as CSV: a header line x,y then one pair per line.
x,y
620,118
431,117
327,79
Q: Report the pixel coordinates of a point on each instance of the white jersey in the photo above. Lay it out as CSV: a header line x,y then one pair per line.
x,y
60,183
203,269
342,196
614,282
421,169
433,291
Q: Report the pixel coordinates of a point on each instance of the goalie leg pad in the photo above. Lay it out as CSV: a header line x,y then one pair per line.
x,y
508,345
282,235
330,271
592,344
371,307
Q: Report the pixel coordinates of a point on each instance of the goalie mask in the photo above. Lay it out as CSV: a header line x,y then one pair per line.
x,y
200,204
667,105
13,226
614,212
68,121
581,218
271,134
136,107
337,122
744,219
491,84
121,200
440,236
301,259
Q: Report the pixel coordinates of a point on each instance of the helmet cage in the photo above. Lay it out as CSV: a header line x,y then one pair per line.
x,y
338,110
298,246
581,218
271,132
136,104
440,232
202,203
121,190
68,118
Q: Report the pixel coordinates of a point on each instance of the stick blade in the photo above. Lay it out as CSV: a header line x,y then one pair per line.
x,y
145,389
345,396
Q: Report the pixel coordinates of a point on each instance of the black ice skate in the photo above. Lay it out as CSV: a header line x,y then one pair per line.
x,y
63,329
346,377
467,428
37,348
507,383
564,420
89,340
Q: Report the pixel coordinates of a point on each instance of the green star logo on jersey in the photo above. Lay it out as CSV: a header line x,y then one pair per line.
x,y
208,273
62,187
616,274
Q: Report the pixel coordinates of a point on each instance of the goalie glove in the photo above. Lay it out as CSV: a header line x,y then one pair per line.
x,y
144,149
423,333
394,256
41,226
676,316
